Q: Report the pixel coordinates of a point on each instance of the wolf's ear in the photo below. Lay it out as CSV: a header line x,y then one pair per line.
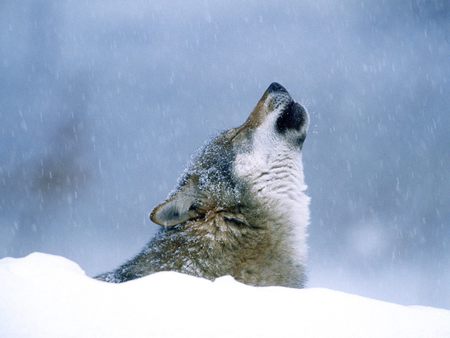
x,y
179,208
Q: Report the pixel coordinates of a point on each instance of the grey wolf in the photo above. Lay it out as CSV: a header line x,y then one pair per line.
x,y
240,207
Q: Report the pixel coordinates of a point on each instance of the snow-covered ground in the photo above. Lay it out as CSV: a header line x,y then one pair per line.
x,y
49,296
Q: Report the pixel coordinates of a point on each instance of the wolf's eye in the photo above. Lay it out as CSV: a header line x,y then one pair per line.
x,y
236,221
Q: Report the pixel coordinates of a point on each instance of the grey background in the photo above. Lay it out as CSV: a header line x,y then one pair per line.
x,y
103,102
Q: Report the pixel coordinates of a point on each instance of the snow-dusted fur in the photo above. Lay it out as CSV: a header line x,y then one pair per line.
x,y
240,208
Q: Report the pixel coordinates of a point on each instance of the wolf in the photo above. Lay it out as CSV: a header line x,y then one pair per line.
x,y
240,208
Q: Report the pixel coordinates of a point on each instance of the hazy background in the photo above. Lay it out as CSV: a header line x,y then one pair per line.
x,y
103,102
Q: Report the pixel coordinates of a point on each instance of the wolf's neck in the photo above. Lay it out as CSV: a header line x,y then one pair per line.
x,y
275,177
276,180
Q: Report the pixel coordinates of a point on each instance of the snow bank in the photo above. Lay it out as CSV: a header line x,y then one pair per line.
x,y
48,296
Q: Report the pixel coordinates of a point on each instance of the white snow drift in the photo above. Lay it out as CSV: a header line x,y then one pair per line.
x,y
48,296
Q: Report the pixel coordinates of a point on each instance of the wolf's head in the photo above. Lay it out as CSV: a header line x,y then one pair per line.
x,y
256,164
278,118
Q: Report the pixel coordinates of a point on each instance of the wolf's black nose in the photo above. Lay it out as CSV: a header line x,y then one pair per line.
x,y
276,87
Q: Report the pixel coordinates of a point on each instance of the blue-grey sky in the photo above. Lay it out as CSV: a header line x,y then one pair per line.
x,y
103,103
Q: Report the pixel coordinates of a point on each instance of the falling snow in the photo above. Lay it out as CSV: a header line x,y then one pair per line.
x,y
102,104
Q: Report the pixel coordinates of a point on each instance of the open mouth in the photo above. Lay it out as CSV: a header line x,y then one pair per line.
x,y
293,117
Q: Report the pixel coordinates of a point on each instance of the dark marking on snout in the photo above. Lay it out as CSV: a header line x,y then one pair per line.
x,y
276,87
291,118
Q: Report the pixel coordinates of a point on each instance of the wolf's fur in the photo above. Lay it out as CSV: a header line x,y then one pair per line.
x,y
240,207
